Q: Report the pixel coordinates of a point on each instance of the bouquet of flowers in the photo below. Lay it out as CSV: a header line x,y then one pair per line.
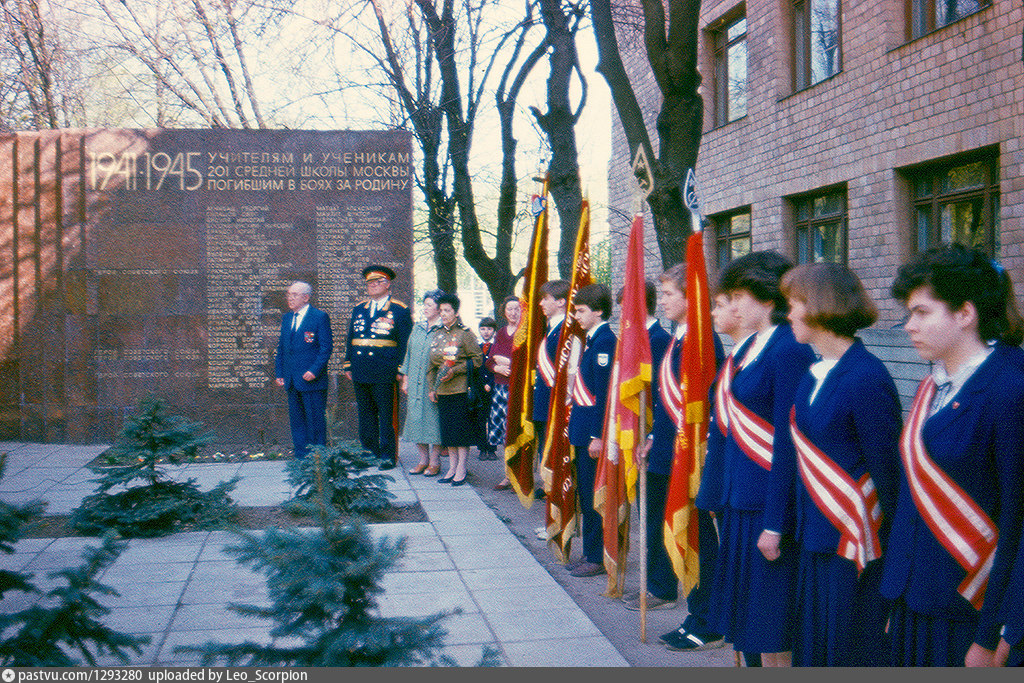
x,y
451,352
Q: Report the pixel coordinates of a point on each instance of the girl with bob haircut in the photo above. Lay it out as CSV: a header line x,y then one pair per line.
x,y
957,524
753,593
845,424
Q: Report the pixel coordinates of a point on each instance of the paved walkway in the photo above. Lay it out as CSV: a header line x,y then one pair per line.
x,y
176,589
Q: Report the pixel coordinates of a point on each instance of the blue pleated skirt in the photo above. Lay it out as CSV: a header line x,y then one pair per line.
x,y
840,617
753,599
925,640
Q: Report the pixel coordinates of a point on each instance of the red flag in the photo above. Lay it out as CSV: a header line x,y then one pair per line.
x,y
697,370
557,469
628,394
520,440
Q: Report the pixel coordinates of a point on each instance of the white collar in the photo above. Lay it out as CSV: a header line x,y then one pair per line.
x,y
960,377
302,312
738,344
760,341
680,331
819,371
377,304
553,321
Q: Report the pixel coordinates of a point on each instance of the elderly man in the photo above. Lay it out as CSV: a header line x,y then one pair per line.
x,y
377,335
303,350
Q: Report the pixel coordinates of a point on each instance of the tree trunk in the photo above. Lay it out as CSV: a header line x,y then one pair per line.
x,y
673,60
559,124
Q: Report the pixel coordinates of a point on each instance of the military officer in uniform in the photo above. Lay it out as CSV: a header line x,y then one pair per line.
x,y
377,335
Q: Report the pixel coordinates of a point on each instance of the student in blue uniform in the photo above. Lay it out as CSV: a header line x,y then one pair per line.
x,y
845,425
593,306
698,631
753,593
957,524
662,583
554,295
377,335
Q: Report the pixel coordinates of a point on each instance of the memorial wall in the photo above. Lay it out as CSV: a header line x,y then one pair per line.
x,y
155,261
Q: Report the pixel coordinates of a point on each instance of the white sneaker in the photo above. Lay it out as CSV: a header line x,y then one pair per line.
x,y
542,533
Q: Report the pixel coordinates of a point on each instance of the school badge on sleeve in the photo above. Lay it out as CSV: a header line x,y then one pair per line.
x,y
602,359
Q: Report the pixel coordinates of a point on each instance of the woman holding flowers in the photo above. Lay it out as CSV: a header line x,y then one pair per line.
x,y
450,349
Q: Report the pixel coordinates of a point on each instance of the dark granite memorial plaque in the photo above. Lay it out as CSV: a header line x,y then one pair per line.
x,y
155,261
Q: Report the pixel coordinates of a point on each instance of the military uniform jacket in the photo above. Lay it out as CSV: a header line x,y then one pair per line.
x,y
376,344
307,349
977,440
595,369
541,391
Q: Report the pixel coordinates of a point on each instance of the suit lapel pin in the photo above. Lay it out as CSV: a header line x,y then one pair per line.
x,y
956,404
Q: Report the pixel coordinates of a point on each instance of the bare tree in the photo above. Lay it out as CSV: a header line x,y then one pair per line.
x,y
42,89
671,42
196,55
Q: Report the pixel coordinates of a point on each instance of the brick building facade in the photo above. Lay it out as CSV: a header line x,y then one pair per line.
x,y
853,131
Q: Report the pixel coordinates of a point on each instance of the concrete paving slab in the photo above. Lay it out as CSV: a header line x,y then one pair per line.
x,y
564,652
137,592
445,598
541,624
141,619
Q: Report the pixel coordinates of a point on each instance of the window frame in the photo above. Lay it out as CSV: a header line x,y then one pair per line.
x,y
721,44
811,222
926,9
725,236
803,70
934,172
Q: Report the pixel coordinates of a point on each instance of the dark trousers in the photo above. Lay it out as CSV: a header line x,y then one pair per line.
x,y
662,581
698,602
308,420
593,531
378,421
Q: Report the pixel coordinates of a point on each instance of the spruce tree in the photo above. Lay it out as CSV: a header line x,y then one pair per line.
x,y
158,505
66,621
339,471
323,584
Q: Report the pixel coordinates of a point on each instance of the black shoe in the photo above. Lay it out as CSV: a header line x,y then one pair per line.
x,y
386,465
446,480
691,641
538,494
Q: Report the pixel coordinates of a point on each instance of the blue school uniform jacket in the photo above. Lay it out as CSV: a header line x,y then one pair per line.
x,y
709,496
767,387
587,422
541,391
977,439
663,429
856,421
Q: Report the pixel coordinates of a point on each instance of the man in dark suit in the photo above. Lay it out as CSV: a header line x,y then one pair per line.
x,y
377,335
593,305
303,349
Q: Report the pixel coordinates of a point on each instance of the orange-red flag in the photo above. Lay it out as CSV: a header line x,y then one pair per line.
x,y
697,370
520,440
628,395
561,514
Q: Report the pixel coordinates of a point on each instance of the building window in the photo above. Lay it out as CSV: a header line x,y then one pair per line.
x,y
820,227
816,41
957,202
731,71
732,236
929,15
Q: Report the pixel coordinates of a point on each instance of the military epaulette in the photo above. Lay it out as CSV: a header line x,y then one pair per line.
x,y
399,303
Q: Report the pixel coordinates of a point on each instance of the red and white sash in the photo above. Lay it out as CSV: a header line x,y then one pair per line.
x,y
545,366
851,506
722,389
954,518
580,395
753,434
669,388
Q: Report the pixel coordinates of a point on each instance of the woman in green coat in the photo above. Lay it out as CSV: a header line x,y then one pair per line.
x,y
421,421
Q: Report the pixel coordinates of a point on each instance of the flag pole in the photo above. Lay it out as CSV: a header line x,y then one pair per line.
x,y
642,505
645,185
